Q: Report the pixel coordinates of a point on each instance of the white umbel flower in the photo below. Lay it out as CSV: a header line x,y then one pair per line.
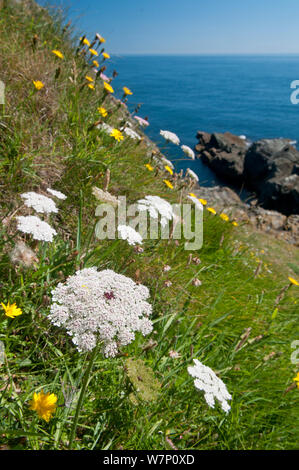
x,y
155,205
170,136
57,194
128,233
213,387
192,174
197,203
39,229
129,132
105,127
188,151
101,306
39,203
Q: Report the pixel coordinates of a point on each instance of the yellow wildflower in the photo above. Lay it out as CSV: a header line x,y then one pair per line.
x,y
108,87
95,63
91,86
103,111
85,41
106,56
12,310
192,195
100,38
89,78
93,52
127,91
58,54
38,84
224,217
235,224
167,168
203,201
149,167
117,135
210,209
296,379
44,404
293,281
168,184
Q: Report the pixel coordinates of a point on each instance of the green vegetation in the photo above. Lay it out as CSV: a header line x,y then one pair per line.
x,y
48,138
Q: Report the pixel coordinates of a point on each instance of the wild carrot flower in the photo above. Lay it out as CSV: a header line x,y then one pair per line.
x,y
90,79
128,233
213,387
142,122
296,379
156,206
149,167
191,174
224,217
167,168
168,184
58,54
101,306
39,202
93,52
57,194
108,87
132,133
127,91
104,77
212,210
11,310
293,281
117,135
39,229
105,127
38,84
170,136
103,111
105,55
44,404
188,151
197,203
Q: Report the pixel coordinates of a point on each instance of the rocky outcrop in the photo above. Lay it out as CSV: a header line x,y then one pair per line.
x,y
278,225
223,153
270,167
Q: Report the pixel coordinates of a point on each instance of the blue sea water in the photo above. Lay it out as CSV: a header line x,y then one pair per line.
x,y
245,95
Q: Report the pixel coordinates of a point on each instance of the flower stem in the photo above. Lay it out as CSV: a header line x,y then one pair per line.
x,y
81,397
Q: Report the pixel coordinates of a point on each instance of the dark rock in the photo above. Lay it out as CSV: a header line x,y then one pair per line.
x,y
270,167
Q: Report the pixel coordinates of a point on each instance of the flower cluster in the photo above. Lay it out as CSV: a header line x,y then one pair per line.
x,y
101,306
39,202
155,205
39,229
170,136
128,233
213,387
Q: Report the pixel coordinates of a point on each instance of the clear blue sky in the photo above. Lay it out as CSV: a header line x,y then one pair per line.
x,y
189,26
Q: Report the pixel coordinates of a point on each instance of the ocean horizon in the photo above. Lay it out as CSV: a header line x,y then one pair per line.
x,y
244,94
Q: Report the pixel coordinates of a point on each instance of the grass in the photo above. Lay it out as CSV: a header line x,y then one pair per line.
x,y
48,138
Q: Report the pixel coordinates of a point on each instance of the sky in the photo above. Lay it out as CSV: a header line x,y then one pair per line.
x,y
188,26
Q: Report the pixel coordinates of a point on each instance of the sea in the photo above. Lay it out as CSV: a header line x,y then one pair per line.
x,y
245,95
